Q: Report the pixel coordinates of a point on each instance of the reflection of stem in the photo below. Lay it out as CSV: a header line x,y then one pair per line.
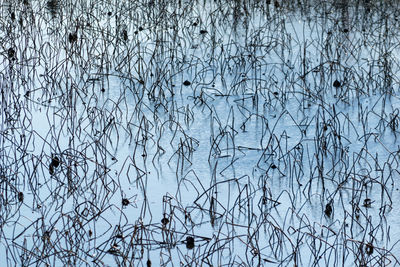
x,y
4,98
2,115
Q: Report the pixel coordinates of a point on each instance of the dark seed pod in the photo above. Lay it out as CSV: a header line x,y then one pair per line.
x,y
328,210
148,263
186,83
336,84
46,236
125,35
164,221
203,31
273,166
72,37
55,162
20,197
367,203
189,242
11,52
369,248
140,28
357,213
125,202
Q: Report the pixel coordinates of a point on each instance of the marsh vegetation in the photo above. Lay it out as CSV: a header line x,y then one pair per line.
x,y
199,133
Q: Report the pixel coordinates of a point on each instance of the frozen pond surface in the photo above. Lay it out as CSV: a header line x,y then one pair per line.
x,y
200,133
